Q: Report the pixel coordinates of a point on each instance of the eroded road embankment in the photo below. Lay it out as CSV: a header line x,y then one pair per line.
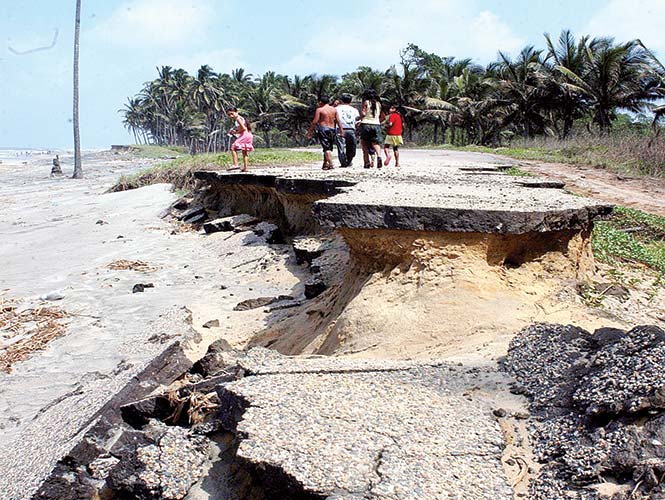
x,y
446,259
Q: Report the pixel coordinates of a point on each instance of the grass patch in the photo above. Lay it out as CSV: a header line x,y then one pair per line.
x,y
180,172
631,236
517,172
155,151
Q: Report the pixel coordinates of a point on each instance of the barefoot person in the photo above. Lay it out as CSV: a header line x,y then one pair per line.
x,y
371,117
349,117
244,139
393,135
325,119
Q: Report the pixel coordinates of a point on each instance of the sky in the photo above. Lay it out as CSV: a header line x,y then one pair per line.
x,y
124,41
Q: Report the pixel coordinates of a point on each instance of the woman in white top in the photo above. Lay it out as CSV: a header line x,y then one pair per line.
x,y
371,117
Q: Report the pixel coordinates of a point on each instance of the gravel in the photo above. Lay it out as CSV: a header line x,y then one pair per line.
x,y
597,401
369,429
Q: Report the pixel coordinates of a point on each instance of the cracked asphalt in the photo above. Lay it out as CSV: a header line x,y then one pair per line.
x,y
349,429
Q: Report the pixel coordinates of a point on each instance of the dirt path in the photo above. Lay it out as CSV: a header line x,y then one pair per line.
x,y
643,193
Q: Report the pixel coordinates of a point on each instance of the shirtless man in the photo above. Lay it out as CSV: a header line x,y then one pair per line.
x,y
325,119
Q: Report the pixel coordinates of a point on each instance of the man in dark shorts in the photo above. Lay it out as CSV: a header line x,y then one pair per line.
x,y
325,120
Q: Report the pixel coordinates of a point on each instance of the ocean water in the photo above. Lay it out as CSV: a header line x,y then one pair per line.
x,y
23,154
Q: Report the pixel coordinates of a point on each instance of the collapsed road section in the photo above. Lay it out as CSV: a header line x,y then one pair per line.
x,y
452,248
259,425
436,198
438,261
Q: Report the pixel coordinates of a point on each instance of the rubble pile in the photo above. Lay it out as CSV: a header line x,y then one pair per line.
x,y
279,427
597,401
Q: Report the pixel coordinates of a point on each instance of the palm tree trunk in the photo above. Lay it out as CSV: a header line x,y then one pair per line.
x,y
78,170
567,125
604,121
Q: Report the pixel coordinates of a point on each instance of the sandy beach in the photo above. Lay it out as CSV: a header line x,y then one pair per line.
x,y
58,236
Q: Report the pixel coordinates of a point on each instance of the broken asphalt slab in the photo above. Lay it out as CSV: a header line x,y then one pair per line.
x,y
367,429
437,195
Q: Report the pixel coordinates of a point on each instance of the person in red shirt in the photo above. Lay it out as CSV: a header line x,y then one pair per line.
x,y
393,135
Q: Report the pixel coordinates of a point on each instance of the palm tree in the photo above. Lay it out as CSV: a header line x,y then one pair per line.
x,y
209,98
321,85
615,77
78,169
135,119
263,100
361,79
659,69
240,76
571,55
521,84
480,112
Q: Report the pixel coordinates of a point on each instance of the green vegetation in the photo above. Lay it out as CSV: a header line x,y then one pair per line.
x,y
180,172
627,150
517,172
631,236
572,86
155,151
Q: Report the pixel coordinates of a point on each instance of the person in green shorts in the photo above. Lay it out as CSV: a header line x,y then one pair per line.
x,y
393,135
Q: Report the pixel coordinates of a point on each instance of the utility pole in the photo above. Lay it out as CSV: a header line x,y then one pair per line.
x,y
78,170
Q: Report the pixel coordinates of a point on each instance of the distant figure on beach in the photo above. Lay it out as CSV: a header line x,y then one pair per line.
x,y
325,120
56,169
371,136
393,135
244,139
349,116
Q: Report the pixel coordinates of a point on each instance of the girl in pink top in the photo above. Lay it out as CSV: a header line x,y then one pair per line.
x,y
244,138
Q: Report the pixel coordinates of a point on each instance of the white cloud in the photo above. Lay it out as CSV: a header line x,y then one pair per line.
x,y
156,23
488,34
446,27
629,19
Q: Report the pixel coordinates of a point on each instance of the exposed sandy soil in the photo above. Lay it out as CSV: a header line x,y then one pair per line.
x,y
446,300
464,304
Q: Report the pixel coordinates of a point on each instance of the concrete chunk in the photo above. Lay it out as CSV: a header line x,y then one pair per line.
x,y
235,222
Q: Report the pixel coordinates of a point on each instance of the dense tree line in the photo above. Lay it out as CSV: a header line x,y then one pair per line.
x,y
539,92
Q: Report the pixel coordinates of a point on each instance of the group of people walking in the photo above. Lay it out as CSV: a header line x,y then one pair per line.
x,y
341,123
338,125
